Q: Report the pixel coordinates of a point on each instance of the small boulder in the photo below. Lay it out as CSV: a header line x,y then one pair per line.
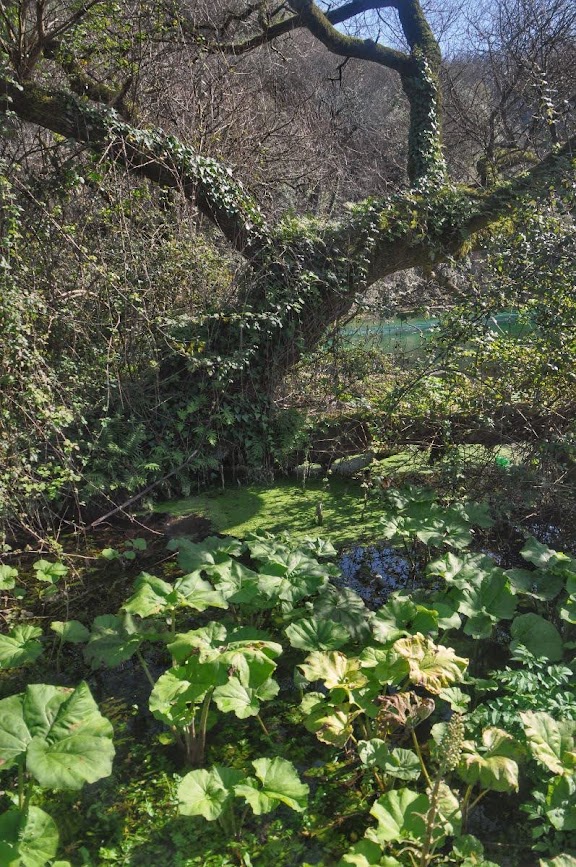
x,y
351,465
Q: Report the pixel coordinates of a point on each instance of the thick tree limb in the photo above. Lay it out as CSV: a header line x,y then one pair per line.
x,y
392,243
150,153
418,71
275,29
320,25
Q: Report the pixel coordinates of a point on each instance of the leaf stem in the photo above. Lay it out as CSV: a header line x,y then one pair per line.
x,y
262,726
420,758
145,668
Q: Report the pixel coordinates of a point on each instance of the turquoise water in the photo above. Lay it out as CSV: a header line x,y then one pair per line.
x,y
408,335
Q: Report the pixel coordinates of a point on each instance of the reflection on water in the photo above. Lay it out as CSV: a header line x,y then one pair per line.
x,y
373,572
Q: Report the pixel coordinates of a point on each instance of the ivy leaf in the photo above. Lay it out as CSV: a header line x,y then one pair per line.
x,y
20,646
551,743
279,783
400,815
113,640
244,701
431,666
71,631
207,792
312,633
28,838
537,634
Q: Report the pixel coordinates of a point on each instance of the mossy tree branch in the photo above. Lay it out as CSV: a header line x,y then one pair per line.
x,y
150,153
273,29
418,70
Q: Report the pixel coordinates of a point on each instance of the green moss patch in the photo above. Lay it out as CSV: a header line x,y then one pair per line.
x,y
286,506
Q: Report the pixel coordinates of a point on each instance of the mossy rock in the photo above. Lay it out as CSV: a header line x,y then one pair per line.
x,y
352,465
308,470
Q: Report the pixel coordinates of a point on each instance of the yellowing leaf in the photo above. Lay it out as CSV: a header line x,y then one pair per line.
x,y
430,665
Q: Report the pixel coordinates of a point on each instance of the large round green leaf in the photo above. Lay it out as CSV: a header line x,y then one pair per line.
x,y
537,634
552,743
181,687
8,577
396,762
244,701
194,592
14,733
72,741
492,765
539,583
277,782
66,739
334,669
207,793
431,666
27,838
344,606
71,631
314,633
151,596
113,640
400,815
194,556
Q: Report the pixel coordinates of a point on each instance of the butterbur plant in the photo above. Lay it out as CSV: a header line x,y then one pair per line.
x,y
412,827
55,738
211,665
214,793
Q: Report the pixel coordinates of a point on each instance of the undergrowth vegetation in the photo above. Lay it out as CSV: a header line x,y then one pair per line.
x,y
243,685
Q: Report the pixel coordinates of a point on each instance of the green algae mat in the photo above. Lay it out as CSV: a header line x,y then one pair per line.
x,y
285,506
288,506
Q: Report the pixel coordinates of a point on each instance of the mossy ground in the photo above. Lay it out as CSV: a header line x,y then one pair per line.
x,y
287,506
